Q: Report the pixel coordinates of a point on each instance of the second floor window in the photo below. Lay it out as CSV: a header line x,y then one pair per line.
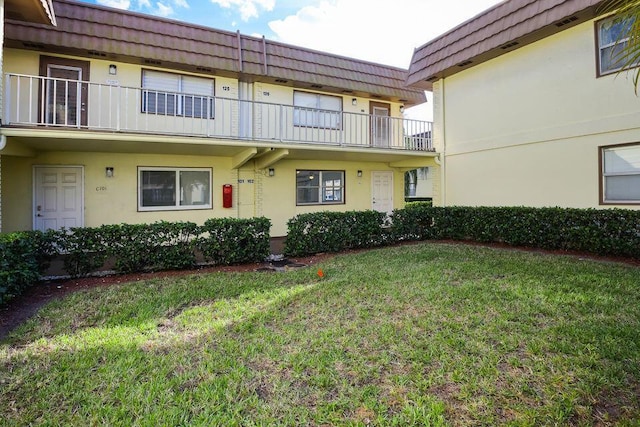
x,y
177,95
317,110
613,38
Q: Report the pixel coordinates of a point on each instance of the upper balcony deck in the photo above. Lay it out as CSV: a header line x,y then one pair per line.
x,y
35,101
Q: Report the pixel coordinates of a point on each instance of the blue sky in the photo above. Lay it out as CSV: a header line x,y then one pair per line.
x,y
374,30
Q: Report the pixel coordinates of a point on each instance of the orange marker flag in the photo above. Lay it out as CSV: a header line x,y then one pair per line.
x,y
320,273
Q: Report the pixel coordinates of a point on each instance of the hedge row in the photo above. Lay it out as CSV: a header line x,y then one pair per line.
x,y
612,232
131,248
21,260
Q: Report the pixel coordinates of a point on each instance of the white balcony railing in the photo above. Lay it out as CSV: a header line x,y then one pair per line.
x,y
43,101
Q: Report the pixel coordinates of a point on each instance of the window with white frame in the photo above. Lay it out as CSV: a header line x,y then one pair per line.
x,y
317,110
315,187
161,188
621,174
177,95
613,38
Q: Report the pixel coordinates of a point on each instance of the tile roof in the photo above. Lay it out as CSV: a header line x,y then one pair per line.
x,y
506,26
89,30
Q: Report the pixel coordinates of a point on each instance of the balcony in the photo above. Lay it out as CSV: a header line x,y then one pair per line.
x,y
35,101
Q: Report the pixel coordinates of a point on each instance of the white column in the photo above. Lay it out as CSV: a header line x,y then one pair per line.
x,y
1,93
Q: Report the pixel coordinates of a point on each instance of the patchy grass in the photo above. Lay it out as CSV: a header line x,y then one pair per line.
x,y
429,334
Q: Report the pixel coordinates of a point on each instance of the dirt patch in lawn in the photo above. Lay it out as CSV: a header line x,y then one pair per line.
x,y
21,308
18,310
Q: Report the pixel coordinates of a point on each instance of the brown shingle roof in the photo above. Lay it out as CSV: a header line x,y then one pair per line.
x,y
89,30
500,29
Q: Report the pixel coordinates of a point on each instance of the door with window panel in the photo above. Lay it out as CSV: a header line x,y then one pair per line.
x,y
64,93
381,124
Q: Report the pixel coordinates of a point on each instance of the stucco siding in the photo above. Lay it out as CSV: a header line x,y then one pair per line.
x,y
524,128
113,200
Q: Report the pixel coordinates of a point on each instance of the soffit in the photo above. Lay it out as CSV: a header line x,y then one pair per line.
x,y
95,31
503,28
41,140
37,11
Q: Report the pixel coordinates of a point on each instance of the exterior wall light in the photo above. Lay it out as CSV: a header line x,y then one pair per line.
x,y
272,171
402,109
359,174
354,101
108,171
113,69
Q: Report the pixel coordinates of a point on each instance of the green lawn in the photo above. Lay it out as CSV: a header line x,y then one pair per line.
x,y
427,334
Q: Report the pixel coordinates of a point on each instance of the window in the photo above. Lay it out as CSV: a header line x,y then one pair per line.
x,y
177,95
621,174
173,188
315,110
319,187
612,37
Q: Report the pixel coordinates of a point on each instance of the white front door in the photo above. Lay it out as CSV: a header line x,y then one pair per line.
x,y
382,191
58,200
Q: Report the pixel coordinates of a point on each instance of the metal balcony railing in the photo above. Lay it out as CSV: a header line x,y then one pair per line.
x,y
62,103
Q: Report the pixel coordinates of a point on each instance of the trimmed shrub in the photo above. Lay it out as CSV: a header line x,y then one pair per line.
x,y
335,231
159,246
19,262
614,232
229,241
83,249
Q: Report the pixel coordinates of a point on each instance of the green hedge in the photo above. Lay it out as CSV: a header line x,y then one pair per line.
x,y
233,241
611,232
23,256
334,231
130,247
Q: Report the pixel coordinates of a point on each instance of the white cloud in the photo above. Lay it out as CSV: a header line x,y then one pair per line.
x,y
374,30
163,10
119,4
247,8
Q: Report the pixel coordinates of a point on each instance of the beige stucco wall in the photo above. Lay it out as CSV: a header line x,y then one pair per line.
x,y
114,200
525,128
278,197
109,200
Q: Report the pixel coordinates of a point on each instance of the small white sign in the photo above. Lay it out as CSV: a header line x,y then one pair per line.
x,y
113,82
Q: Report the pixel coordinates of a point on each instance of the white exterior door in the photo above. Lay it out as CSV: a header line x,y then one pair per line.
x,y
58,200
382,191
380,127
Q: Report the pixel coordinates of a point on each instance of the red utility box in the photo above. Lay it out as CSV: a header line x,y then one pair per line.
x,y
227,196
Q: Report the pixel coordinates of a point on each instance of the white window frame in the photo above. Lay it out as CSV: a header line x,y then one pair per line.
x,y
607,47
326,192
177,198
312,110
186,91
606,172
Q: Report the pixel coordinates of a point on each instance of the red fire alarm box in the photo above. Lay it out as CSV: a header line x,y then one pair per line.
x,y
227,196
